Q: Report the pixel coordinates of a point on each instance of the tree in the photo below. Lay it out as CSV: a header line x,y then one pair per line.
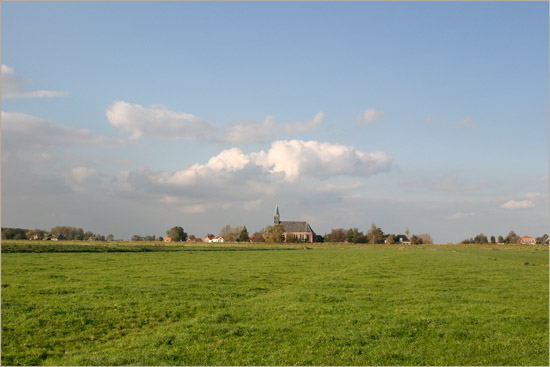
x,y
415,240
512,237
481,239
258,237
390,239
150,238
243,236
336,235
177,234
14,233
375,235
137,237
493,239
35,234
111,237
351,235
407,232
361,238
274,233
500,239
426,238
225,229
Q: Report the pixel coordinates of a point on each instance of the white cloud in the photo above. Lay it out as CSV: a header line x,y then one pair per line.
x,y
13,86
296,158
460,215
513,204
253,132
233,176
157,121
369,115
25,133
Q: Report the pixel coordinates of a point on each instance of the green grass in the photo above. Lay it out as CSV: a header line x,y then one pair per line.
x,y
336,304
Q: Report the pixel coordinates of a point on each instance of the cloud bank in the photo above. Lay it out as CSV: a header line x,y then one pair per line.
x,y
157,121
13,86
27,132
233,175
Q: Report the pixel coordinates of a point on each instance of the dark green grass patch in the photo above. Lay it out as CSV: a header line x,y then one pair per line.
x,y
367,305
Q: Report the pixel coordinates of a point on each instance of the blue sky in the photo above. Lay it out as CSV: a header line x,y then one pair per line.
x,y
132,117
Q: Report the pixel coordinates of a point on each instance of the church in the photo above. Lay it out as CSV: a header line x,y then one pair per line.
x,y
298,231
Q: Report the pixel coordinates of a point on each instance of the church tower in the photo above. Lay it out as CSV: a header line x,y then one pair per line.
x,y
276,217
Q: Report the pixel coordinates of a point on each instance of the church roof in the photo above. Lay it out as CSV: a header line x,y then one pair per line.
x,y
290,226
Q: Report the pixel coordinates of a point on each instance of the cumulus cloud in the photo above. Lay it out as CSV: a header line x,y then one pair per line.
x,y
13,86
513,204
297,158
233,175
369,116
254,132
157,121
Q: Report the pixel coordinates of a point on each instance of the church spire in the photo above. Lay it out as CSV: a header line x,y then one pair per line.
x,y
276,217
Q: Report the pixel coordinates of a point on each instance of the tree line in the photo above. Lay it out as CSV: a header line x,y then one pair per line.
x,y
512,237
68,233
374,235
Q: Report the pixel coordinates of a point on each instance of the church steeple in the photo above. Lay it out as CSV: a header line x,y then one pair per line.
x,y
276,217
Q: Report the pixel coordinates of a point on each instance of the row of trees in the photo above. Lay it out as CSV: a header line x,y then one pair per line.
x,y
512,237
374,235
69,233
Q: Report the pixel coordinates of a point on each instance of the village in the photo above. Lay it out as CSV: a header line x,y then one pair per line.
x,y
279,232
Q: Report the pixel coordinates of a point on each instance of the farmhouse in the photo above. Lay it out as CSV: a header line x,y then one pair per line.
x,y
527,240
59,237
402,239
211,239
167,239
301,231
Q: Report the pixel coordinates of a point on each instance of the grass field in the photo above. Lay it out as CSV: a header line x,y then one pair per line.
x,y
331,304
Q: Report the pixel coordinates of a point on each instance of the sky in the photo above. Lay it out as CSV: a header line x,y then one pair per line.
x,y
133,117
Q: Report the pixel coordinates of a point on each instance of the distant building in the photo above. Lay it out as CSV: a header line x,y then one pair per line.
x,y
194,239
299,231
211,239
59,237
527,240
167,239
402,239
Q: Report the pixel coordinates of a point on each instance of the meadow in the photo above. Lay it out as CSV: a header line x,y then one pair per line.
x,y
326,304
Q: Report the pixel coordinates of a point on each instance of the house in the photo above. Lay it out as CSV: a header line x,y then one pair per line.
x,y
293,230
527,240
59,237
213,238
167,239
402,239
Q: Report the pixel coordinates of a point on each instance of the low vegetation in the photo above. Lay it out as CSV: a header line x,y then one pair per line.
x,y
316,304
